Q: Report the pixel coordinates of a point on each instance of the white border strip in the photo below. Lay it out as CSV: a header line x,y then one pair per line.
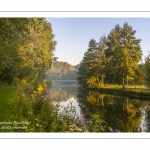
x,y
75,135
75,14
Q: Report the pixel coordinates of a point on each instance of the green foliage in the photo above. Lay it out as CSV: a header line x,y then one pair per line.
x,y
27,46
92,68
96,126
49,84
10,31
147,71
109,113
114,59
15,81
139,75
38,110
123,45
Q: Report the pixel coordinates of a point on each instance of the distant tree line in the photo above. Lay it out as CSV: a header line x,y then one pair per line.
x,y
114,59
62,71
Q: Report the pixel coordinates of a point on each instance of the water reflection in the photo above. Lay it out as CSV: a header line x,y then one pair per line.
x,y
121,114
66,95
63,92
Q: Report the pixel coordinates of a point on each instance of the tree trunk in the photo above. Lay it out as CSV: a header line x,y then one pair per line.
x,y
127,83
102,101
123,84
102,79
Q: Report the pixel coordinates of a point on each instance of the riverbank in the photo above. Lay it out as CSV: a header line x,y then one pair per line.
x,y
128,92
33,113
8,99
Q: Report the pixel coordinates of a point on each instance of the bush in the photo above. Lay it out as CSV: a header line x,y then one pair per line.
x,y
49,84
43,115
15,81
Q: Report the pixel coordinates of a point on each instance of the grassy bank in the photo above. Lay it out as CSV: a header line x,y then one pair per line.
x,y
34,113
8,99
140,91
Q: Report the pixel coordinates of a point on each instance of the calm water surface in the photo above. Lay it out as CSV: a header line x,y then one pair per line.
x,y
121,114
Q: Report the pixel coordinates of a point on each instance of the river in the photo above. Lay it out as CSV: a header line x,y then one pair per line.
x,y
121,114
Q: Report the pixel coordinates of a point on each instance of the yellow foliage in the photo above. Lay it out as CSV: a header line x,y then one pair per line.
x,y
42,87
23,81
92,82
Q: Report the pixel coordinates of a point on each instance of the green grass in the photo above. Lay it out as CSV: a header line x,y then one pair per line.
x,y
8,98
131,91
140,88
113,86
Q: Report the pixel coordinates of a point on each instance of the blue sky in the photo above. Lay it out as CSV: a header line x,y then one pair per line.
x,y
74,34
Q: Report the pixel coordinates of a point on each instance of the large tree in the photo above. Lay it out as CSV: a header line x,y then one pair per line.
x,y
123,52
101,59
86,68
147,70
39,48
92,68
27,46
12,32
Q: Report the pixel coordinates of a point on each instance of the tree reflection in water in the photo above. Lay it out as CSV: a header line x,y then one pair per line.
x,y
121,114
63,92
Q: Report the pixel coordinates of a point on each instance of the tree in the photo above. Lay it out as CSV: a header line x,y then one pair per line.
x,y
101,59
13,31
27,46
62,71
92,68
123,52
87,67
40,47
139,75
147,70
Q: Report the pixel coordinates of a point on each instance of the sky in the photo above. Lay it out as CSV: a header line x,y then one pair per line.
x,y
73,34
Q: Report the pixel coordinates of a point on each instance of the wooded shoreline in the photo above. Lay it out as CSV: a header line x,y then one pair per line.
x,y
127,93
